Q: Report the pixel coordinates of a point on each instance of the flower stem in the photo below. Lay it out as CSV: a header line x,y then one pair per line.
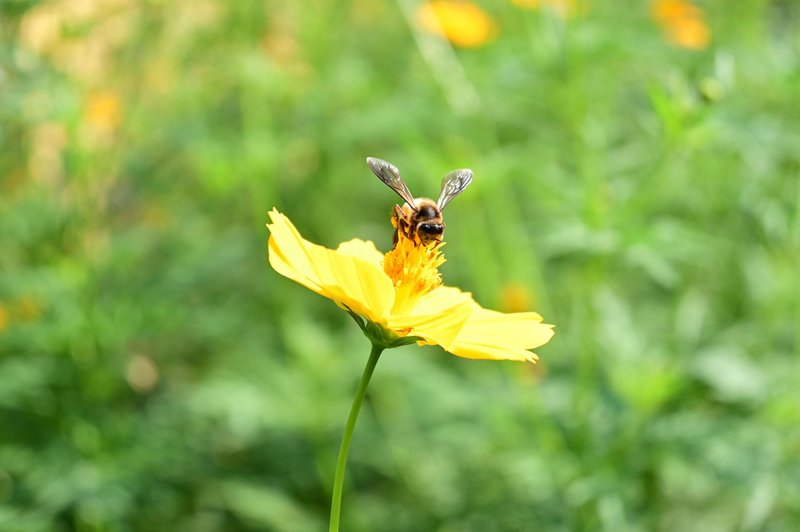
x,y
341,463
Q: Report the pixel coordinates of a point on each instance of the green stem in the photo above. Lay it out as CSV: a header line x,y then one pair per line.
x,y
341,463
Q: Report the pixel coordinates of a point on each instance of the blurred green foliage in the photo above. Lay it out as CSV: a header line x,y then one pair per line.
x,y
155,374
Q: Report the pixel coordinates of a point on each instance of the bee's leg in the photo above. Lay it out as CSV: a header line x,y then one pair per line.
x,y
397,215
399,222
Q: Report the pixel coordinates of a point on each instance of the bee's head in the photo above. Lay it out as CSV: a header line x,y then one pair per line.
x,y
431,229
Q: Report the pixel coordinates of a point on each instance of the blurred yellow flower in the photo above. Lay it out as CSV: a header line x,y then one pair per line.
x,y
3,318
514,297
462,23
29,309
81,37
103,111
402,297
683,23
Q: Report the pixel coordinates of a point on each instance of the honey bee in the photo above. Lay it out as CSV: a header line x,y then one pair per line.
x,y
420,219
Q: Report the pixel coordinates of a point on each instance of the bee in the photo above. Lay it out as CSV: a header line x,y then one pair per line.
x,y
420,219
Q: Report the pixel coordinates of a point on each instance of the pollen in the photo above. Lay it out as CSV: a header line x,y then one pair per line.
x,y
413,267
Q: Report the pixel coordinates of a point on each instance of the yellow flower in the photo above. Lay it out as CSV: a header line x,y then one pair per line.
x,y
683,23
462,23
401,296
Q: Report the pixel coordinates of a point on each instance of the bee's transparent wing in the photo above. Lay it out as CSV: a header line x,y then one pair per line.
x,y
453,184
389,174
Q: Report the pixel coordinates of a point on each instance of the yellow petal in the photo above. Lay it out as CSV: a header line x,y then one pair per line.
x,y
358,284
496,336
437,316
363,250
290,254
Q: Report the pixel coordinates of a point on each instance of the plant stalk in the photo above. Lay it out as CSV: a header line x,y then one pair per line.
x,y
341,463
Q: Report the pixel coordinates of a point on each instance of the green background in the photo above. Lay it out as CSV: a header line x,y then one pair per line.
x,y
157,374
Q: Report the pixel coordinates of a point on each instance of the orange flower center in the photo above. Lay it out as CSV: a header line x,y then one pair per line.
x,y
413,267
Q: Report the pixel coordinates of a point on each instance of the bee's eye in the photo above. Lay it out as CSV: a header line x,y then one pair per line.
x,y
433,229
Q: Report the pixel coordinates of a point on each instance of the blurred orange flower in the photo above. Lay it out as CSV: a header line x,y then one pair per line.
x,y
462,23
683,23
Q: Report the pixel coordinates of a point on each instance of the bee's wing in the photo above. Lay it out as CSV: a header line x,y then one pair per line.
x,y
389,174
454,184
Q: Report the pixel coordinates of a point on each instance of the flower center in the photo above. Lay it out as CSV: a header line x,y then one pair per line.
x,y
413,267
